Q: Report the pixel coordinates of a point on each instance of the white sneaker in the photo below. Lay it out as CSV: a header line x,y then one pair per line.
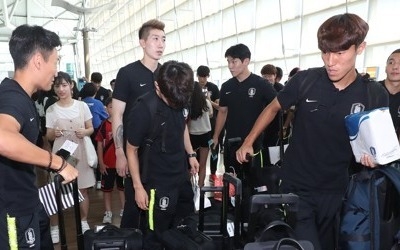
x,y
121,213
55,234
107,217
85,226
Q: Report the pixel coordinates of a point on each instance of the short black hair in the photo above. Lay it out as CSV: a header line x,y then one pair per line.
x,y
26,40
96,77
88,90
240,51
203,71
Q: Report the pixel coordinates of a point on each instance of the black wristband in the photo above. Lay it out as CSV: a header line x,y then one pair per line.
x,y
192,155
50,161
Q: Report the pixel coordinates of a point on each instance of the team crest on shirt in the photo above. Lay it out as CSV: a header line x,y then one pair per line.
x,y
30,236
251,92
356,108
164,202
185,112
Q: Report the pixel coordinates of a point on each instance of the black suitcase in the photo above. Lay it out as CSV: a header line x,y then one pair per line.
x,y
215,223
112,237
185,237
282,244
266,208
58,179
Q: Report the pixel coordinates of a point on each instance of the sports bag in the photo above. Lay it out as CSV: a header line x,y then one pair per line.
x,y
370,216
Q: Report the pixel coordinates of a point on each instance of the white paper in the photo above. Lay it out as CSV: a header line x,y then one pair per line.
x,y
70,146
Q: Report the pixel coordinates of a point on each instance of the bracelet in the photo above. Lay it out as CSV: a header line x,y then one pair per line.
x,y
63,166
50,161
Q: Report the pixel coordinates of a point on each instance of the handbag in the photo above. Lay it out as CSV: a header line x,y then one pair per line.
x,y
196,194
91,154
47,196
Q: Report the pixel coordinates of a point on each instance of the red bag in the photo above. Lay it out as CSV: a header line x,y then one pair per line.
x,y
218,182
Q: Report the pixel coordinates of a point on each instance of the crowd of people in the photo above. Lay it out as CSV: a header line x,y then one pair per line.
x,y
158,125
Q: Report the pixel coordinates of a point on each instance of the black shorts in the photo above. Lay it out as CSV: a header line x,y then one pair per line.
x,y
30,231
200,140
108,180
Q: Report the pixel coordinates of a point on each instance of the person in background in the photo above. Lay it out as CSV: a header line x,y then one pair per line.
x,y
134,80
243,97
24,223
70,119
199,128
96,107
106,153
165,192
319,154
268,72
392,86
212,93
102,93
112,84
279,74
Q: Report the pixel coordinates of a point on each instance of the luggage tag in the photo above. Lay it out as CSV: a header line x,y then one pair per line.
x,y
230,228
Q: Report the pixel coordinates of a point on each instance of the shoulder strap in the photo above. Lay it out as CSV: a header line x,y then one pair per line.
x,y
392,171
156,119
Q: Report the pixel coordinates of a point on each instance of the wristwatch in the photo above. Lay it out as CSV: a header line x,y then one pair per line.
x,y
192,155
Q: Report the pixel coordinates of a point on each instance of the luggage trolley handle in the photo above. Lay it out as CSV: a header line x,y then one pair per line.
x,y
203,191
237,183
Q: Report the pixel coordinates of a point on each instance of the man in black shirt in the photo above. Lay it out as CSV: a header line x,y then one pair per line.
x,y
102,93
24,223
165,192
319,154
134,80
392,85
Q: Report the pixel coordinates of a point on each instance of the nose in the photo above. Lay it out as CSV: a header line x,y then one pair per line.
x,y
330,58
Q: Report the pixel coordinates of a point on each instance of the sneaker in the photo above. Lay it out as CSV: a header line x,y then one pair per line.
x,y
55,234
107,217
121,213
85,226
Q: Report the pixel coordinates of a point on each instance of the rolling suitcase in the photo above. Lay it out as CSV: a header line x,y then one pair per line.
x,y
112,237
58,179
223,227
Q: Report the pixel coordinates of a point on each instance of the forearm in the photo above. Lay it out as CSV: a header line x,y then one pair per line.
x,y
220,123
133,164
186,140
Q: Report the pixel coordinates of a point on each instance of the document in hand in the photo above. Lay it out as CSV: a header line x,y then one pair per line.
x,y
372,132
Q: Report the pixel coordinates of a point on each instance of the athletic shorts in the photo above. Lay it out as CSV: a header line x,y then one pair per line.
x,y
30,231
200,140
108,180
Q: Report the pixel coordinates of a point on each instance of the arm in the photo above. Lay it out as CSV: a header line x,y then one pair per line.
x,y
220,123
141,196
100,156
15,146
210,110
263,120
194,164
117,129
87,131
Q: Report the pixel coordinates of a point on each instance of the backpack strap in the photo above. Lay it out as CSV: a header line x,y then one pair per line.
x,y
392,171
154,105
374,89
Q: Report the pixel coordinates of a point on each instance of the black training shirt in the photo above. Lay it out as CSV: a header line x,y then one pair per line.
x,y
18,191
319,152
394,107
168,168
245,101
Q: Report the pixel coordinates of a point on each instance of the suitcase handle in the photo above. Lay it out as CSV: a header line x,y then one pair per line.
x,y
260,200
287,242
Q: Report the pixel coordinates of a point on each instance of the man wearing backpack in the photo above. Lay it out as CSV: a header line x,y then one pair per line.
x,y
317,159
162,185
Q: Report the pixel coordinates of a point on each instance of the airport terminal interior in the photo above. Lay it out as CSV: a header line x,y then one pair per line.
x,y
102,36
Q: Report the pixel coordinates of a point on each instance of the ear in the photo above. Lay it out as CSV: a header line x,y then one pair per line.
x,y
37,60
142,43
361,48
